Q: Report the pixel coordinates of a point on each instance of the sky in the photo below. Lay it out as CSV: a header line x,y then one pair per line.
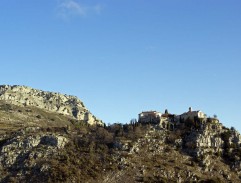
x,y
123,57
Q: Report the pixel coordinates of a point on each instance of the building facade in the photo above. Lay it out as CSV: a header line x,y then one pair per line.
x,y
150,117
192,115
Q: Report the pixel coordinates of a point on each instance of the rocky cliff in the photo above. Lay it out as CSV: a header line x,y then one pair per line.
x,y
50,101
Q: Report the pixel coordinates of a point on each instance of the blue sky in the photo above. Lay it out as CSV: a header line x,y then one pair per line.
x,y
122,57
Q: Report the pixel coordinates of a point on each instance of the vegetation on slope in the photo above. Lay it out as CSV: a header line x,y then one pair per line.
x,y
132,152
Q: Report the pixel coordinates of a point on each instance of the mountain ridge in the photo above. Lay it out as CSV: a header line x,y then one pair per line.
x,y
52,101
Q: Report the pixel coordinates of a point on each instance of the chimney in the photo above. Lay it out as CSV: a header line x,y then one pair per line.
x,y
190,109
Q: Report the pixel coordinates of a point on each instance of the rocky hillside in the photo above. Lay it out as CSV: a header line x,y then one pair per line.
x,y
39,144
119,153
52,102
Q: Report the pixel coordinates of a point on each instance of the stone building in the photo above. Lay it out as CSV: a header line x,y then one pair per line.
x,y
192,115
150,117
167,121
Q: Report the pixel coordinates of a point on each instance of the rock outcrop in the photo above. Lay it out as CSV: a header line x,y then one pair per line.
x,y
212,138
50,101
25,146
27,150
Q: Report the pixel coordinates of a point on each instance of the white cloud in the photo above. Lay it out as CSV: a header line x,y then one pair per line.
x,y
70,8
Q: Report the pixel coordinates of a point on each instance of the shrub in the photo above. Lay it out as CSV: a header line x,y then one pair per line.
x,y
6,107
38,116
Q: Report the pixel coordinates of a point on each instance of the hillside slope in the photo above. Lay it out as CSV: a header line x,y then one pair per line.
x,y
39,144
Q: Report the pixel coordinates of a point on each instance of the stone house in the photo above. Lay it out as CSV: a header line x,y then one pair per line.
x,y
167,121
150,117
192,115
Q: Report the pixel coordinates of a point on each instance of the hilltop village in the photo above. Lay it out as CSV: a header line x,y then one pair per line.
x,y
172,121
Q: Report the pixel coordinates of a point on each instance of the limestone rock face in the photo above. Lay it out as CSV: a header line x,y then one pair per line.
x,y
209,139
21,147
50,101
